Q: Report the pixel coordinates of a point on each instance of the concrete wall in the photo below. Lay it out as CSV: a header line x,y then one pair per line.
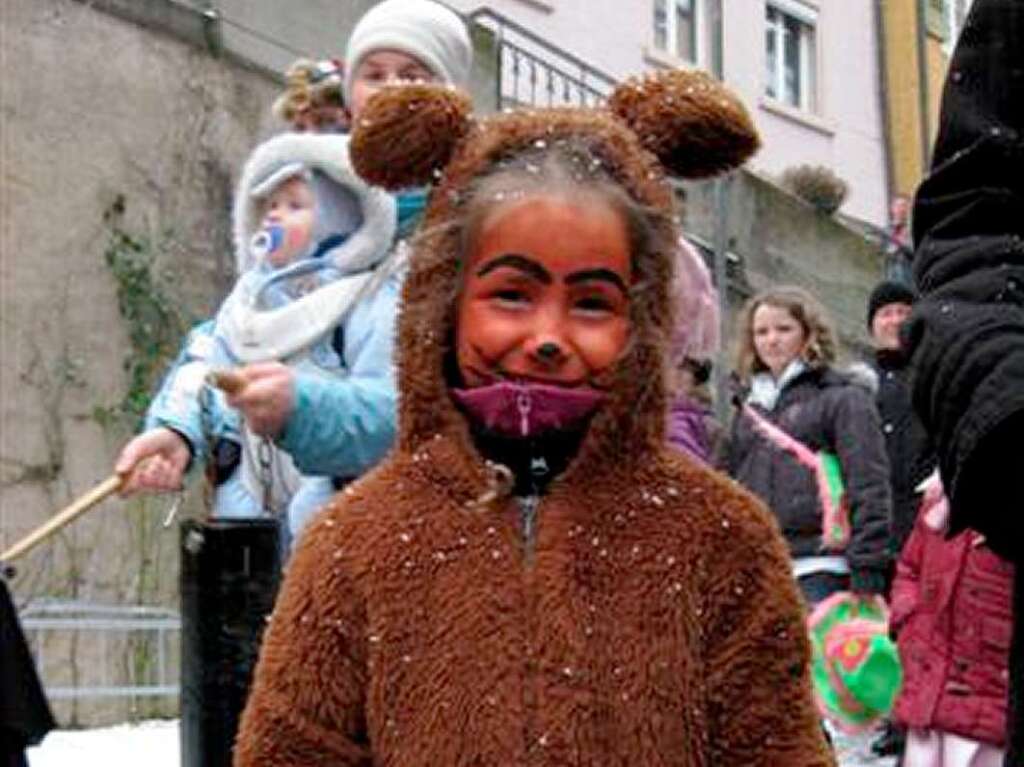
x,y
846,136
118,118
95,111
780,239
274,34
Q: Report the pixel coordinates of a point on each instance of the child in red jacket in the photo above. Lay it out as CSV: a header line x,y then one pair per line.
x,y
951,610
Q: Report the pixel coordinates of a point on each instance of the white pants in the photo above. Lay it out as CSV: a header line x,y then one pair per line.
x,y
931,748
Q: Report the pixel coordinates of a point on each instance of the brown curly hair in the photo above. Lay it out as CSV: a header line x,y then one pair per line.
x,y
821,347
310,85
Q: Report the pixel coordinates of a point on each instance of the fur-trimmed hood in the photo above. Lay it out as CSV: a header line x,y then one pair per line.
x,y
373,229
683,122
863,375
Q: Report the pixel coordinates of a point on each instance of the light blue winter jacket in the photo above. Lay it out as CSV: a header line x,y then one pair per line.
x,y
342,423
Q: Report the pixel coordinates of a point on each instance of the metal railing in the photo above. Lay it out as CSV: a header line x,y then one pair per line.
x,y
84,650
534,72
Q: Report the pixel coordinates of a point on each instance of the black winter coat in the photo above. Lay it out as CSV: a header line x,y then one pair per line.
x,y
910,450
967,334
825,410
24,714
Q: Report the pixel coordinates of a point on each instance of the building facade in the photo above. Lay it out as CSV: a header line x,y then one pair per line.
x,y
918,39
808,69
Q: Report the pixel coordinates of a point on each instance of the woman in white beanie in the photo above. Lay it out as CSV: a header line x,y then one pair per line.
x,y
405,40
396,41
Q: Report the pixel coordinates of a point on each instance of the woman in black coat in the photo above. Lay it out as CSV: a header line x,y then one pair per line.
x,y
967,332
24,714
785,368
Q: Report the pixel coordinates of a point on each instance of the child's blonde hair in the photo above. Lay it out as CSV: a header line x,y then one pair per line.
x,y
820,349
309,85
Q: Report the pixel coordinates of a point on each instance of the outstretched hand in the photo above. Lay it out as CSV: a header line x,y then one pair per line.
x,y
265,396
153,462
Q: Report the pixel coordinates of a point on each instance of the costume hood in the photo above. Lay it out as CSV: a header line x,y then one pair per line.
x,y
685,123
352,207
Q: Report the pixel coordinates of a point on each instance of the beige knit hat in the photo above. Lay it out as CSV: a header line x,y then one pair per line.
x,y
426,30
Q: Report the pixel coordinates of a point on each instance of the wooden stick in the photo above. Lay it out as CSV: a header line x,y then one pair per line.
x,y
77,507
228,381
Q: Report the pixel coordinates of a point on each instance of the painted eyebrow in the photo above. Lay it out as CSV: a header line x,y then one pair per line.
x,y
605,275
516,261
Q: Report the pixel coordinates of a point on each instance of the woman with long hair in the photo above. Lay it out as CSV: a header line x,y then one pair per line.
x,y
793,403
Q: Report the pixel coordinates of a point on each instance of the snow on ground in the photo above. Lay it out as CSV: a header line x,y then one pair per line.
x,y
126,745
157,743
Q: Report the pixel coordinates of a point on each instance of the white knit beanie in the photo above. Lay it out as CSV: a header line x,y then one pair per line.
x,y
430,32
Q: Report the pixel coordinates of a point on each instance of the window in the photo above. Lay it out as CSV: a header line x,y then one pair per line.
x,y
791,54
675,28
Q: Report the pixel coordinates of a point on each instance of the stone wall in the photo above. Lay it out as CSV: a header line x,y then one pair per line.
x,y
778,238
116,139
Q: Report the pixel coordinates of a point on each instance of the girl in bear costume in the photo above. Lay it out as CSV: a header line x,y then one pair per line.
x,y
533,576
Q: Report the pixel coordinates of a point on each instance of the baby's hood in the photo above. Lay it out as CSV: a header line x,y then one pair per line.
x,y
363,216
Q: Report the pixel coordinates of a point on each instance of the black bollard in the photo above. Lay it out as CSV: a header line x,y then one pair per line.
x,y
230,571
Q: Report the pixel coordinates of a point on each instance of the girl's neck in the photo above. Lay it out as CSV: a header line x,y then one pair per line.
x,y
533,461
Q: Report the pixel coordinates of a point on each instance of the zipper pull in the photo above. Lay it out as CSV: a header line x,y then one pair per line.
x,y
524,404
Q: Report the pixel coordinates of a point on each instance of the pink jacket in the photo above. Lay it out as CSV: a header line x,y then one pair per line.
x,y
951,604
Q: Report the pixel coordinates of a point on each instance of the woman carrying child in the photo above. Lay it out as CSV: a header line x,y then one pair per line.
x,y
338,425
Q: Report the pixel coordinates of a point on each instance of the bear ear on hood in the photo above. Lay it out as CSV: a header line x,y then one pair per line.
x,y
694,125
407,134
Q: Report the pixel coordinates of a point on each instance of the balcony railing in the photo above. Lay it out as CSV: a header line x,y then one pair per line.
x,y
135,652
533,72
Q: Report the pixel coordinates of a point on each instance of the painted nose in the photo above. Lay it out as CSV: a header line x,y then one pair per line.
x,y
548,352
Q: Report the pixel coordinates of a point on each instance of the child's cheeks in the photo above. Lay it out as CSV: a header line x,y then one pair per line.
x,y
291,206
546,296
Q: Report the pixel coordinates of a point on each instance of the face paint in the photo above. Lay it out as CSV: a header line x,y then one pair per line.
x,y
546,296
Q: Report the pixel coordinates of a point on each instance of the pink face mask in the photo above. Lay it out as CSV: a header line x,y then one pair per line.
x,y
528,409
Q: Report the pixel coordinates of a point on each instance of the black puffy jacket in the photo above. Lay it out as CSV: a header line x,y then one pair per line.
x,y
910,450
826,410
967,332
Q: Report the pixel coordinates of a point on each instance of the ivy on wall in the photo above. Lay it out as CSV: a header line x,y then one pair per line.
x,y
156,322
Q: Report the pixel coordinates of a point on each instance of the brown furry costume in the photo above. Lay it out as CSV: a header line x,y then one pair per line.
x,y
655,622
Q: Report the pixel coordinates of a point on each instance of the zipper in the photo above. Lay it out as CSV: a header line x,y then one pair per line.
x,y
524,405
528,524
528,506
